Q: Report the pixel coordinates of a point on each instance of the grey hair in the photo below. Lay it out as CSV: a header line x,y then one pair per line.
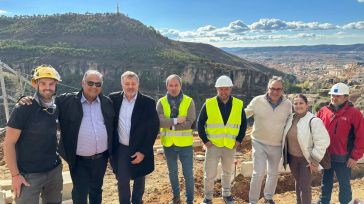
x,y
274,79
94,72
129,74
174,76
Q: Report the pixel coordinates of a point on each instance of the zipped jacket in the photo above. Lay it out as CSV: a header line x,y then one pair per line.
x,y
346,130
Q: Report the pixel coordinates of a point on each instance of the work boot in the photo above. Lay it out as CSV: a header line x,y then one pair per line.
x,y
228,200
206,201
269,201
175,200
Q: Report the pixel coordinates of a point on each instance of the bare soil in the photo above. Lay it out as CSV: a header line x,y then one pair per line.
x,y
158,189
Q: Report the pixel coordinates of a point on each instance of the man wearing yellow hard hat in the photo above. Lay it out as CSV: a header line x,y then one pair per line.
x,y
30,145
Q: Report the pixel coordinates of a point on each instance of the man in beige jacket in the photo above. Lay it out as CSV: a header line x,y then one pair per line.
x,y
270,112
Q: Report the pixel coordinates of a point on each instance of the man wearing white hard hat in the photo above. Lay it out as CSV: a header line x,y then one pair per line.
x,y
221,127
270,112
345,125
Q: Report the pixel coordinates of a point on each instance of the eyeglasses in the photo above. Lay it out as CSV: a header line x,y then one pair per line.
x,y
275,89
91,83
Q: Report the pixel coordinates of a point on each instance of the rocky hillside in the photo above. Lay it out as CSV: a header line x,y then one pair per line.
x,y
113,43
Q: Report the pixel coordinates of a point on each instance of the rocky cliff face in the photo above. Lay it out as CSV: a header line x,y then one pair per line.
x,y
198,81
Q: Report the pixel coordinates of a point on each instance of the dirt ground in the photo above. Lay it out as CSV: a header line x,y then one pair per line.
x,y
158,189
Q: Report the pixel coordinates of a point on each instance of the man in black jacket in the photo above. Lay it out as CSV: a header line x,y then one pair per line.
x,y
136,127
86,121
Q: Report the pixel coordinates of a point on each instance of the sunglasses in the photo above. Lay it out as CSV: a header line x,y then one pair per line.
x,y
91,83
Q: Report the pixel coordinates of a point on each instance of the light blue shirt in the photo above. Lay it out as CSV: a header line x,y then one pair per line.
x,y
124,123
92,137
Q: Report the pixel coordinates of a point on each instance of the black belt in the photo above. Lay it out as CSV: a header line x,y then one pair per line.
x,y
95,156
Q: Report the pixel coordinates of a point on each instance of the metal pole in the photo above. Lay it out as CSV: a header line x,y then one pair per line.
x,y
5,97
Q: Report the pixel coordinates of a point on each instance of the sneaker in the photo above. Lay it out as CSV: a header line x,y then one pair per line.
x,y
206,201
228,200
269,201
175,200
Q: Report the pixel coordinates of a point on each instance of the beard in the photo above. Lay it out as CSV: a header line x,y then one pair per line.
x,y
46,95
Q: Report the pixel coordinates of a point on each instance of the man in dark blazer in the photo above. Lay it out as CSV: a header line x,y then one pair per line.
x,y
136,128
86,122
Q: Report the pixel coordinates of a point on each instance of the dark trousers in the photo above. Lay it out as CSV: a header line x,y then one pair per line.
x,y
87,177
47,184
302,176
343,174
124,177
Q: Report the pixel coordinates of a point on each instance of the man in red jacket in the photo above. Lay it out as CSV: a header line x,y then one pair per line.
x,y
345,125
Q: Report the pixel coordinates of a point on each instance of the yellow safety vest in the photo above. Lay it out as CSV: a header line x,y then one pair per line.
x,y
219,134
180,138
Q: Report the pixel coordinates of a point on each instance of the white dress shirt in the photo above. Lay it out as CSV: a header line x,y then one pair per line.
x,y
124,123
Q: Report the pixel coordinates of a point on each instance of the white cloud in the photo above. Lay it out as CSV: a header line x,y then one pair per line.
x,y
206,28
268,31
354,25
2,12
277,24
299,25
361,1
237,27
306,35
269,25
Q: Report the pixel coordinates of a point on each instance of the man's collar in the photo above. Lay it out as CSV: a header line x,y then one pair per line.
x,y
219,100
179,95
336,108
132,100
270,100
83,99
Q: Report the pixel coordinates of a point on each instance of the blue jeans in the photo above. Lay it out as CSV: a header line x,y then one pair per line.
x,y
343,175
185,155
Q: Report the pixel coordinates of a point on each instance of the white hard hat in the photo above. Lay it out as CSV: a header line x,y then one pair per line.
x,y
223,81
339,89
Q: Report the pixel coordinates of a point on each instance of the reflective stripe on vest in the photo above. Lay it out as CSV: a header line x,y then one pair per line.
x,y
219,134
180,138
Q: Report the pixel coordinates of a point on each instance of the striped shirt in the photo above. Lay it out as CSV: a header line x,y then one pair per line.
x,y
92,137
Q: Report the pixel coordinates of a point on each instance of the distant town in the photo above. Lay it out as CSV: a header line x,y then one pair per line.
x,y
311,63
316,68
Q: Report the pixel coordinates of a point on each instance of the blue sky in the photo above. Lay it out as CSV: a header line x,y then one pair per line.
x,y
225,23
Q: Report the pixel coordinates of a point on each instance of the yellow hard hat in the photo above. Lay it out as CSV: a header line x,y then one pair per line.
x,y
45,71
